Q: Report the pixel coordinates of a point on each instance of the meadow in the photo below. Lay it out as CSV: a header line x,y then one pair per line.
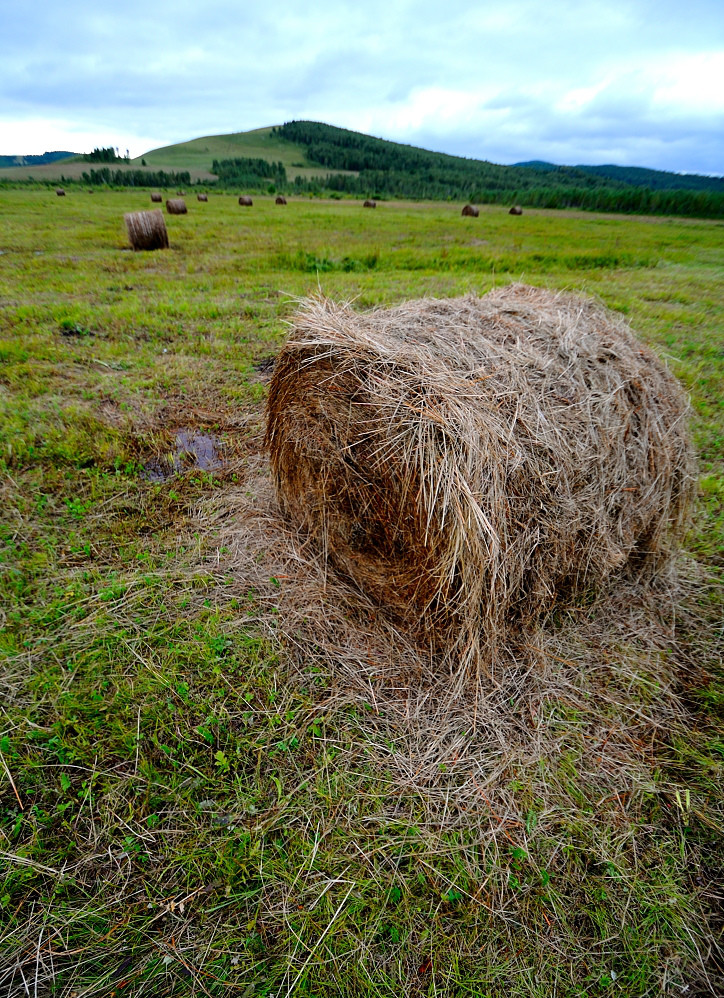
x,y
187,804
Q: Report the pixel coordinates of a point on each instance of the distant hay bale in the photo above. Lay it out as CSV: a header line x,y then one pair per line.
x,y
157,198
369,204
180,193
516,210
280,199
471,210
202,197
90,190
471,463
246,201
146,230
60,192
176,206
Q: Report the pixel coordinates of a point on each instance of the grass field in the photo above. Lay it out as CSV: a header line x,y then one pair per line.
x,y
189,804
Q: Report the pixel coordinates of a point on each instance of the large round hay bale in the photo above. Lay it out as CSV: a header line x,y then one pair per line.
x,y
516,210
202,197
470,463
176,206
246,201
369,204
146,230
470,210
157,198
280,199
60,192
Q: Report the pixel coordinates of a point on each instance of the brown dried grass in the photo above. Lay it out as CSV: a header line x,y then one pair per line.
x,y
156,198
280,199
470,210
146,230
473,464
516,210
246,201
202,197
60,192
176,206
369,204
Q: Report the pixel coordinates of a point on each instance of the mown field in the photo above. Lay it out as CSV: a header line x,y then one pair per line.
x,y
188,807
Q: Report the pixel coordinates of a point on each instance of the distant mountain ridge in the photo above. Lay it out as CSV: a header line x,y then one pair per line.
x,y
638,176
37,160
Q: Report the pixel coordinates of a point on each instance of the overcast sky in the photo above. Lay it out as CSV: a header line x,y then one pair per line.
x,y
634,82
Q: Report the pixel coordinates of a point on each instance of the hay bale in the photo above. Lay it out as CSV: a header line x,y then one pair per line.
x,y
516,210
280,199
60,192
180,193
369,204
176,206
202,197
146,230
471,210
470,463
246,201
157,198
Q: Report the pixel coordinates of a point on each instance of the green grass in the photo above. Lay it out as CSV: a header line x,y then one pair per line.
x,y
177,815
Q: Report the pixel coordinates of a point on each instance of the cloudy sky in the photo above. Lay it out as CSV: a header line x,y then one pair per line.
x,y
635,82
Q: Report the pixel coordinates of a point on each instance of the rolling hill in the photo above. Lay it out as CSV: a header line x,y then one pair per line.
x,y
312,157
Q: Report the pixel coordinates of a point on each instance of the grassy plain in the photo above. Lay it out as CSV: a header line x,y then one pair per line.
x,y
180,816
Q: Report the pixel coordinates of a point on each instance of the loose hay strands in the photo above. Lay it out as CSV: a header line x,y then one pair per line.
x,y
470,210
146,230
472,463
176,206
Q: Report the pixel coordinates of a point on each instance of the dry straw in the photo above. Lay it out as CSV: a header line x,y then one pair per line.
x,y
516,210
471,210
246,201
369,204
280,199
60,192
176,206
146,230
202,197
472,463
156,198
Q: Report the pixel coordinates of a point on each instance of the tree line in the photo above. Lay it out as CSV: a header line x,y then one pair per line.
x,y
378,168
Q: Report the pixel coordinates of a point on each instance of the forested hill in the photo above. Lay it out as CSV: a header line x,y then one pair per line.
x,y
391,169
46,157
639,176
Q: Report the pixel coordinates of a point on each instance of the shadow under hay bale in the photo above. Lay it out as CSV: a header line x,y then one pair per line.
x,y
470,210
472,463
246,201
516,210
280,199
202,197
146,230
176,206
156,198
60,192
